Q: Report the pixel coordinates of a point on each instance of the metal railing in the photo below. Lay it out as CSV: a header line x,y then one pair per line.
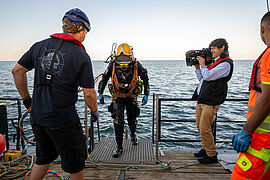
x,y
20,145
157,107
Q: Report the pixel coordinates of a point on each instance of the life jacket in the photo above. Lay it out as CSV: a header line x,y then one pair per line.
x,y
214,92
255,92
253,84
118,89
67,37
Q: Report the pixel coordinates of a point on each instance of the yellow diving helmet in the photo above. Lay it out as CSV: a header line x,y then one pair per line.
x,y
124,54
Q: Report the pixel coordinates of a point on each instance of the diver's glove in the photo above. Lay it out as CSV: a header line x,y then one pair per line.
x,y
101,98
94,116
145,100
241,141
27,102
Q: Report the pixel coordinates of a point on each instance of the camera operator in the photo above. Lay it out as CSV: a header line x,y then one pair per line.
x,y
210,93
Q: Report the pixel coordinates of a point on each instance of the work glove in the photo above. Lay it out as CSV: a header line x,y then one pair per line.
x,y
241,141
27,102
101,98
94,116
144,100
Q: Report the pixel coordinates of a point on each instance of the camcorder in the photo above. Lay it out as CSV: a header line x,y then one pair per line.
x,y
191,56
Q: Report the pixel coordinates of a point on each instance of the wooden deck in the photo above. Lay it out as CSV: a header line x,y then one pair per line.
x,y
183,165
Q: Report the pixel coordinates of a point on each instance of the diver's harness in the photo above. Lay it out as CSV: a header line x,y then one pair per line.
x,y
48,77
134,88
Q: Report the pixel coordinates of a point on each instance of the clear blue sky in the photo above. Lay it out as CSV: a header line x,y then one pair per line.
x,y
157,29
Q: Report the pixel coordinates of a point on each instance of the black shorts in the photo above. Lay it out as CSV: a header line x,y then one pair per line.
x,y
69,143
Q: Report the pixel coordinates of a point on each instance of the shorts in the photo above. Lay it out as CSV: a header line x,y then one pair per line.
x,y
69,143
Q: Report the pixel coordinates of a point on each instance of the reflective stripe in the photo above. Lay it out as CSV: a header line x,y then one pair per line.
x,y
267,119
244,162
267,83
265,126
266,168
263,154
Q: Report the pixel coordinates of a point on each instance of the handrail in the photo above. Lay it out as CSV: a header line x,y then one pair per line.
x,y
88,132
159,120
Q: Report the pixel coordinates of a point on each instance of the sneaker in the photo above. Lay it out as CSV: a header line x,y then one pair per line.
x,y
117,152
208,160
201,153
134,141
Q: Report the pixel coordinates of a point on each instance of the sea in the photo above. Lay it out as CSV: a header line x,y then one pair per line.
x,y
168,79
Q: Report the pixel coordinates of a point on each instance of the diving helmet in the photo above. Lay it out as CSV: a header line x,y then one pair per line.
x,y
124,54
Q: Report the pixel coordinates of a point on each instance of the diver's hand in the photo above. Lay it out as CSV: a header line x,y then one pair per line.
x,y
241,141
145,100
27,102
101,98
94,116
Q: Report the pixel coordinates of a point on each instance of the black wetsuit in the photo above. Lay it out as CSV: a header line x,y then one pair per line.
x,y
117,108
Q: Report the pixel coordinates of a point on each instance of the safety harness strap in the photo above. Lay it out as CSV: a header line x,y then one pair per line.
x,y
49,75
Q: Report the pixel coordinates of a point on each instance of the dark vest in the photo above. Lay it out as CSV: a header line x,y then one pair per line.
x,y
215,92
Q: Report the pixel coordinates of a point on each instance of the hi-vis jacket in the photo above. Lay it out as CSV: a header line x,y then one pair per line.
x,y
254,164
124,82
260,74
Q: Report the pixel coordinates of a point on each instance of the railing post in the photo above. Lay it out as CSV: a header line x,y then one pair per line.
x,y
153,119
86,132
159,118
3,122
17,128
214,129
157,127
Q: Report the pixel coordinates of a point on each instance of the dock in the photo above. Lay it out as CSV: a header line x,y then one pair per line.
x,y
138,162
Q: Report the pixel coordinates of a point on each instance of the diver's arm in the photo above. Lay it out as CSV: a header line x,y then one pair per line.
x,y
105,77
142,72
262,109
20,79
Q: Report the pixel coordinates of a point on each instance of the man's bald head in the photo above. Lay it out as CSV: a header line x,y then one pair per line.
x,y
266,20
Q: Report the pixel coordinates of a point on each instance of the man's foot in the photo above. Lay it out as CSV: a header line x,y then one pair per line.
x,y
134,141
208,160
117,152
201,153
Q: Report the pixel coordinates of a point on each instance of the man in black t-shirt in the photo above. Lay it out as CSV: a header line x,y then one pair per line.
x,y
61,65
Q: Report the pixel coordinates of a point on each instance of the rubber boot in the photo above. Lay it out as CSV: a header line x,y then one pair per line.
x,y
118,129
134,140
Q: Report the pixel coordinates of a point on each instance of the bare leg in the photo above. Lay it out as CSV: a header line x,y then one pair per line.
x,y
39,171
78,175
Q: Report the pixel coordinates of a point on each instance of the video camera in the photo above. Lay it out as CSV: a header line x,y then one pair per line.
x,y
191,56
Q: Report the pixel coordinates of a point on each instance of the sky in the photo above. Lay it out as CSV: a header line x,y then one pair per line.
x,y
157,29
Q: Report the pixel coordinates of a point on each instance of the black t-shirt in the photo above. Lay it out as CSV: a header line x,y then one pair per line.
x,y
51,106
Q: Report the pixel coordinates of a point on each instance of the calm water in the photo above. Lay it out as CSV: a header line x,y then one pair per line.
x,y
170,79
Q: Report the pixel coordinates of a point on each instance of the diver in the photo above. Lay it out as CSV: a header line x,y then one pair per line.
x,y
124,71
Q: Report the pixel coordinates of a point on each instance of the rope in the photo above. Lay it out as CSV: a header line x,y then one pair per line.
x,y
95,80
12,169
21,129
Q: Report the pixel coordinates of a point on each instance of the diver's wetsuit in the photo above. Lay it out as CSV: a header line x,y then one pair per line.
x,y
119,104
